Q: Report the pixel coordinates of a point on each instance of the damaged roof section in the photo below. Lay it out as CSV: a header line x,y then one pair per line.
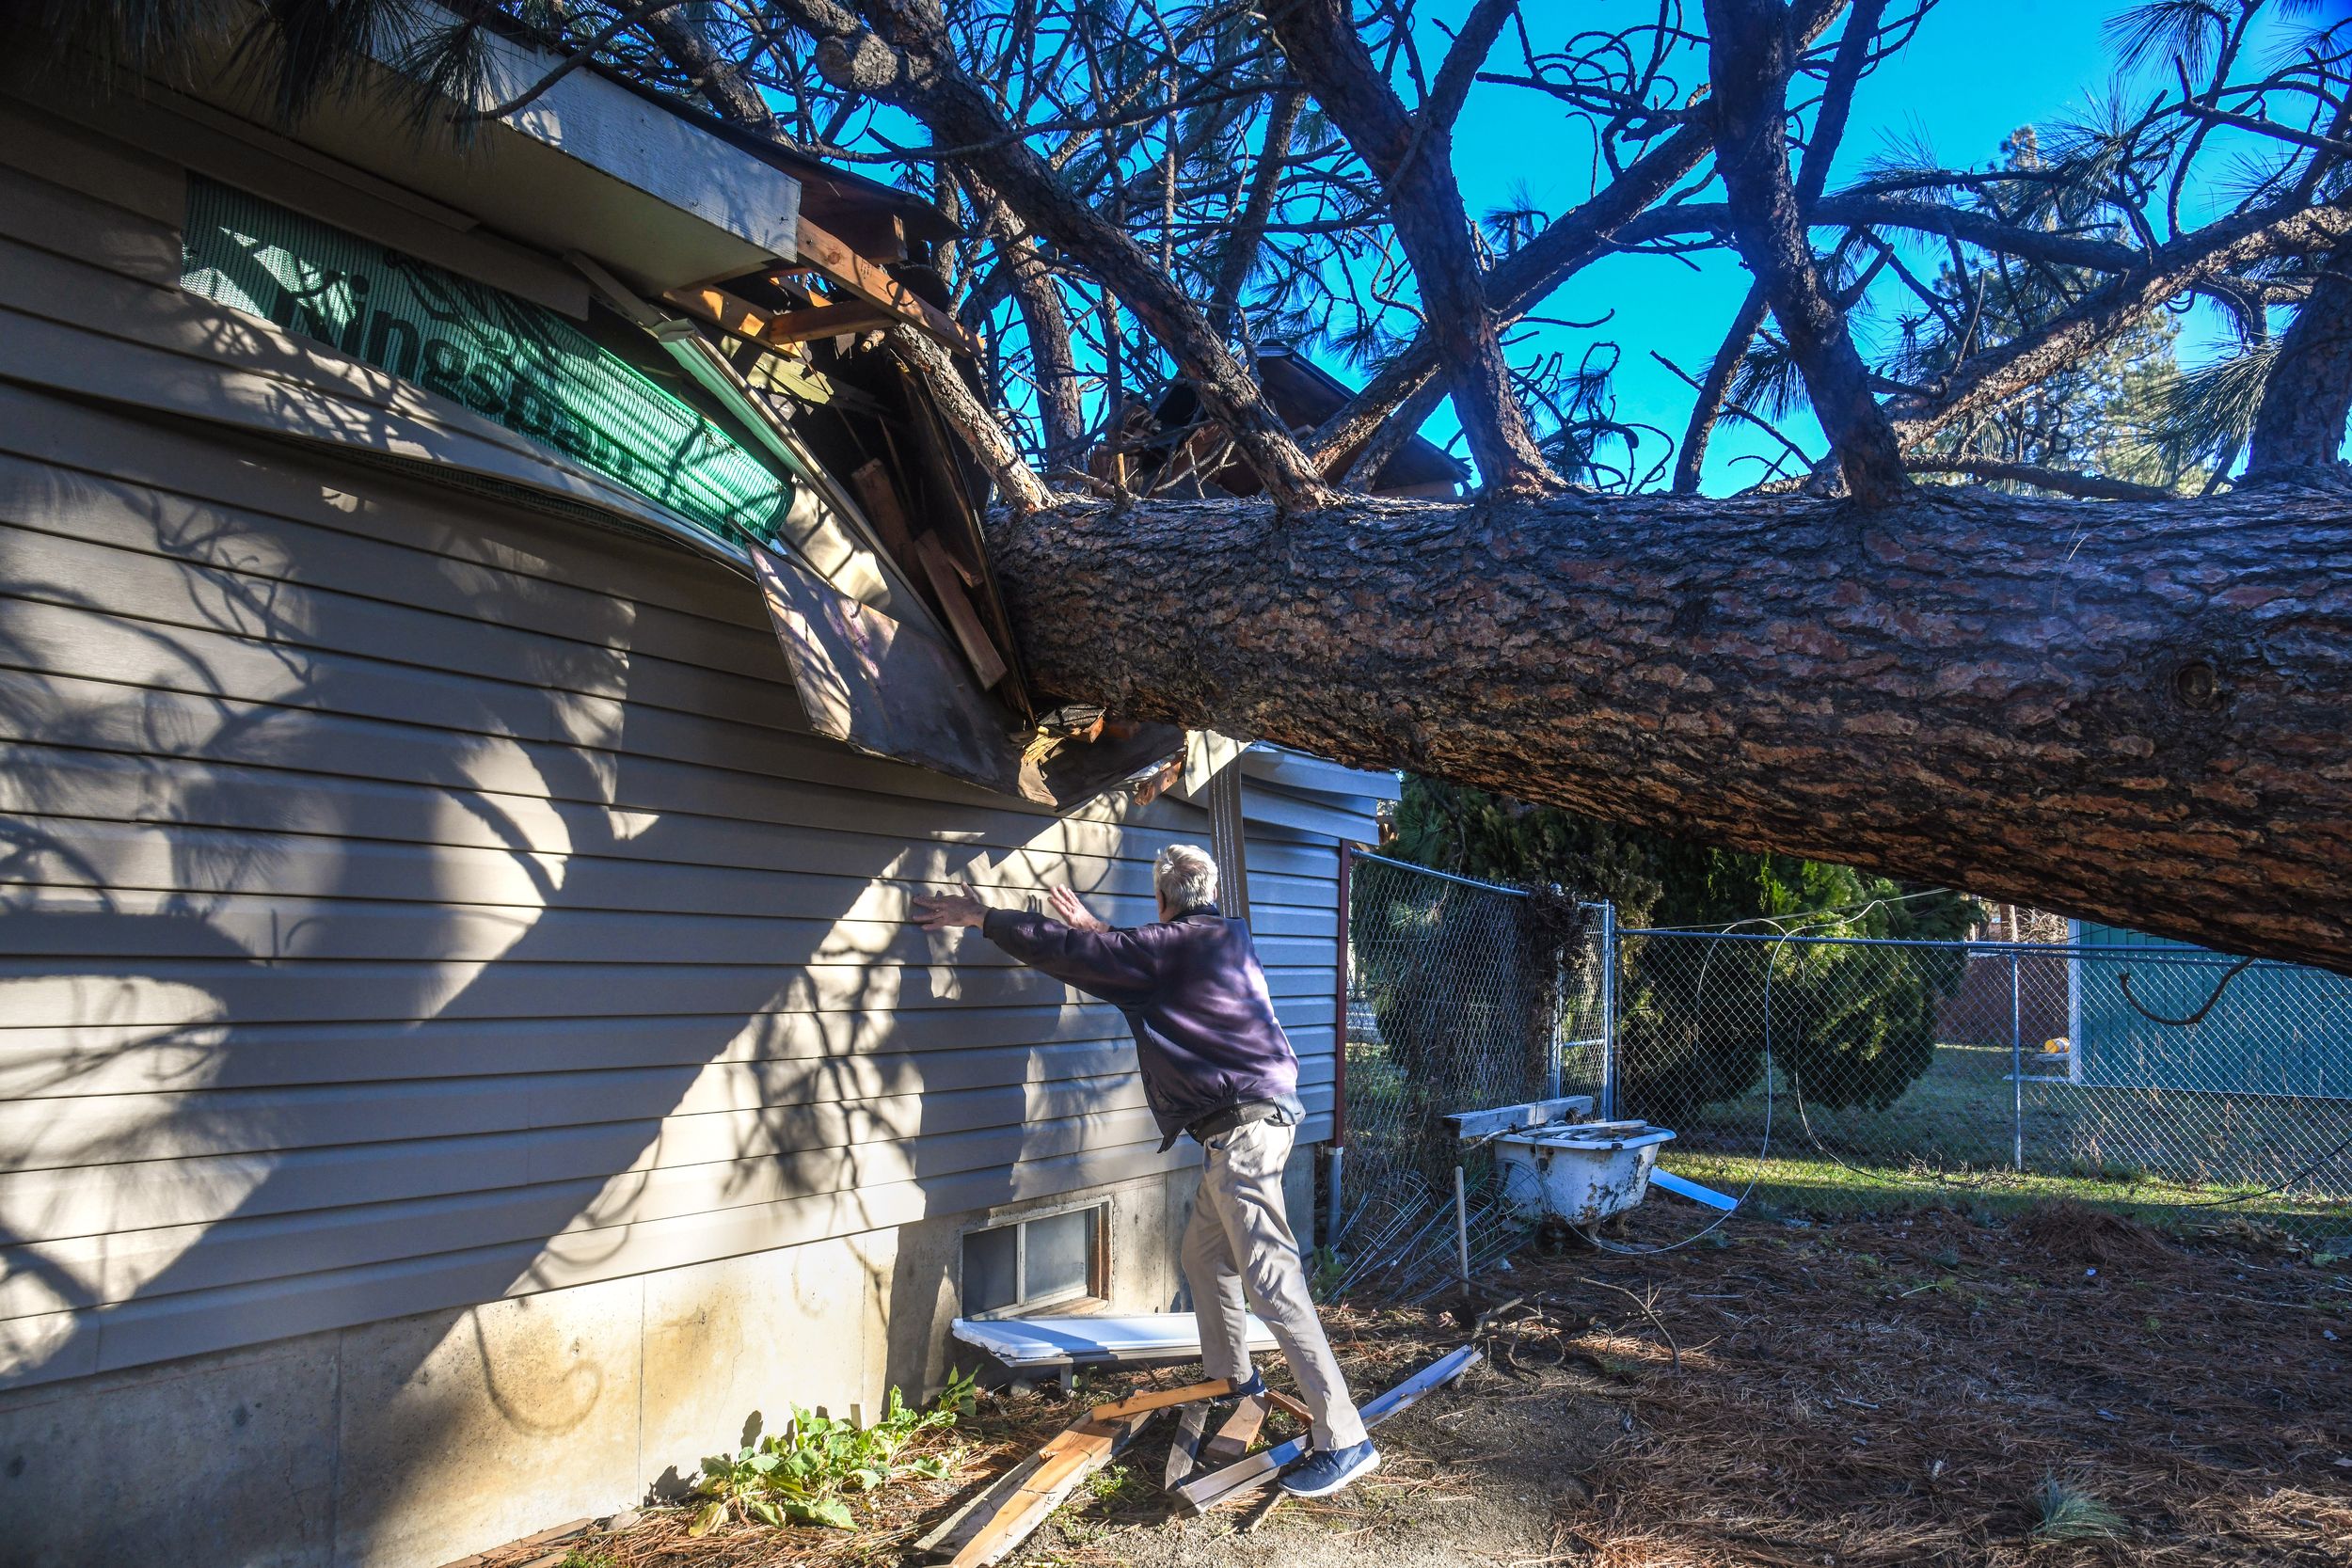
x,y
602,302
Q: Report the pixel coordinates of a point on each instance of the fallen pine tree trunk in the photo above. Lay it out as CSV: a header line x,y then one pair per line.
x,y
2137,712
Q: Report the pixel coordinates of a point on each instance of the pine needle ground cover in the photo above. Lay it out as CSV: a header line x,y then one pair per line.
x,y
2061,1387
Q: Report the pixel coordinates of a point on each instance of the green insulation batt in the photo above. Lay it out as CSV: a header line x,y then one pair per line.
x,y
524,366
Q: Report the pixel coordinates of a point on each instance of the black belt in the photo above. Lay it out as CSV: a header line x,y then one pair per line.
x,y
1218,1123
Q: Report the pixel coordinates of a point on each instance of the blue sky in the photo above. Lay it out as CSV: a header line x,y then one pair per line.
x,y
1977,70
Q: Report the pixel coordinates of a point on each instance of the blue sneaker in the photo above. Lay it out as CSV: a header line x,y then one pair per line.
x,y
1253,1390
1326,1470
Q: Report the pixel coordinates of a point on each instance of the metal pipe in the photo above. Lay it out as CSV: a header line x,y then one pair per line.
x,y
1461,1227
1338,1156
2177,955
1609,935
2016,1067
1338,1010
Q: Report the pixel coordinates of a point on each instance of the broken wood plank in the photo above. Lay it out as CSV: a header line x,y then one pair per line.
x,y
1240,1430
871,282
777,328
721,309
1160,1399
1185,1451
827,319
1064,1463
987,663
1257,1515
1241,1479
1284,1402
879,497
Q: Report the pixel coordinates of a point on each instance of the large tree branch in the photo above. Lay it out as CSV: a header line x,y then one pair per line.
x,y
1597,227
1692,455
1061,409
1412,156
1986,380
2048,701
1016,481
2061,482
905,58
1520,281
2309,394
1752,55
1249,230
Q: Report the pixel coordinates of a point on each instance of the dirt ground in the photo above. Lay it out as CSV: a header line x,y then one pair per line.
x,y
1881,1391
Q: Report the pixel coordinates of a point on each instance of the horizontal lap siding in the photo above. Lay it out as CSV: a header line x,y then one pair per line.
x,y
407,903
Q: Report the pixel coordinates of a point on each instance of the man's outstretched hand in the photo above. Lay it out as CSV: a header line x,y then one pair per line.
x,y
1071,913
937,913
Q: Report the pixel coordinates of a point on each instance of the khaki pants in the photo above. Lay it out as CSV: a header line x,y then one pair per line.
x,y
1239,1256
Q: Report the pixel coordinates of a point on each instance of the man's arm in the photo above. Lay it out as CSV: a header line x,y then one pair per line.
x,y
1117,966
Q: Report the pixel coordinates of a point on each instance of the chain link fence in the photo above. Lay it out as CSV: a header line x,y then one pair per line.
x,y
1462,995
1819,1074
2157,1077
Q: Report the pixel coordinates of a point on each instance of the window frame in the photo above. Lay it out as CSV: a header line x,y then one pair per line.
x,y
1094,1292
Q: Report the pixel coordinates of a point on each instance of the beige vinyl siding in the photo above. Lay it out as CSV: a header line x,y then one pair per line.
x,y
408,903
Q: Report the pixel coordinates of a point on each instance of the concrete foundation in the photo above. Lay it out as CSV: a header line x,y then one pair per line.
x,y
413,1442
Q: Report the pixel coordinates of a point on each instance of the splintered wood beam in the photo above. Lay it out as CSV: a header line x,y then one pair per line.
x,y
738,318
778,328
1184,1451
828,320
947,583
1284,1402
871,281
1243,1477
879,497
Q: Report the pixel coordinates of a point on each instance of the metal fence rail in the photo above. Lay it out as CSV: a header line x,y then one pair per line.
x,y
1826,1071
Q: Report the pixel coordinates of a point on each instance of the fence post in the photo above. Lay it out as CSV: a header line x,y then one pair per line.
x,y
1335,1151
1608,1012
2016,1067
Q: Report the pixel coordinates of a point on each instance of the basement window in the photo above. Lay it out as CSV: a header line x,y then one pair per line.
x,y
1031,1264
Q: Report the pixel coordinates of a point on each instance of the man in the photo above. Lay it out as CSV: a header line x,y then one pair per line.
x,y
1217,1067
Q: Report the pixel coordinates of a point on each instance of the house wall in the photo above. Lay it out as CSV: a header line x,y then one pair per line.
x,y
461,1046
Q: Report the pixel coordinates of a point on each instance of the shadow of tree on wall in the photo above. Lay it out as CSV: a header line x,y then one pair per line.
x,y
488,1014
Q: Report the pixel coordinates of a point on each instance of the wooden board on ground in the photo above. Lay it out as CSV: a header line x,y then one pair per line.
x,y
1022,1499
1284,1402
1239,1480
1185,1451
1240,1430
1160,1399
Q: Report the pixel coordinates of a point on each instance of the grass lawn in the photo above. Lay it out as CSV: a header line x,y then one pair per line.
x,y
2165,1157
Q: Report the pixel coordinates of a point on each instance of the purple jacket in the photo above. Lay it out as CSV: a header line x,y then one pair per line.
x,y
1194,994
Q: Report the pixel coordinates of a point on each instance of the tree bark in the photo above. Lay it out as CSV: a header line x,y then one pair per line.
x,y
2127,711
2309,395
1414,157
1751,54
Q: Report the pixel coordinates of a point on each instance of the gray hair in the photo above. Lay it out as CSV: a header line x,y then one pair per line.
x,y
1185,877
